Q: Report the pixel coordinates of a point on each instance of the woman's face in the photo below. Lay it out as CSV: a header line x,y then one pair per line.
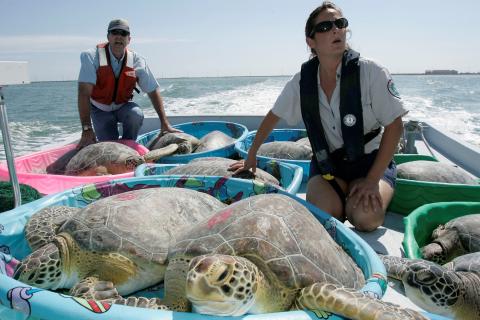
x,y
331,42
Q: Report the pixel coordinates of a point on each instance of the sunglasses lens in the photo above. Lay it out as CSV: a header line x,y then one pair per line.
x,y
324,26
122,33
341,23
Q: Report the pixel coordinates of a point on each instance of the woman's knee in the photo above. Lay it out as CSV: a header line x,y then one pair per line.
x,y
324,199
365,221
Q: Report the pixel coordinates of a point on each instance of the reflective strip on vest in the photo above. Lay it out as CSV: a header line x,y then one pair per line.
x,y
129,59
102,56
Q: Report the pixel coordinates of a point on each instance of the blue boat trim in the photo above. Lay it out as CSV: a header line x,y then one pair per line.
x,y
243,146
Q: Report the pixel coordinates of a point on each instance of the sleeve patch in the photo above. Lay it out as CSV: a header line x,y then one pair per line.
x,y
392,89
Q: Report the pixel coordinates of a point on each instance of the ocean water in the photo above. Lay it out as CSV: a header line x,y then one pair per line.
x,y
45,113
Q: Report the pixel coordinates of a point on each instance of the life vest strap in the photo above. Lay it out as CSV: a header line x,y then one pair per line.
x,y
341,155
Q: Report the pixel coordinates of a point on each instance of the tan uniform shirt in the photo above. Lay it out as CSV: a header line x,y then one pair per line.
x,y
380,102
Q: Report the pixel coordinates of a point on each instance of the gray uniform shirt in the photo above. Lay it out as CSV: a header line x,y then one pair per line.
x,y
380,102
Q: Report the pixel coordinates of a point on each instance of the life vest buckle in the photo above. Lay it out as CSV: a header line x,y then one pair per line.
x,y
328,177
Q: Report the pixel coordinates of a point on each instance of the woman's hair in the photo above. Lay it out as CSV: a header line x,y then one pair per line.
x,y
311,18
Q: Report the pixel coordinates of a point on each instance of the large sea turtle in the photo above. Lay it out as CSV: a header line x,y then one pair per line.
x,y
451,290
266,253
186,143
59,165
289,150
434,171
111,158
455,238
214,140
122,238
216,166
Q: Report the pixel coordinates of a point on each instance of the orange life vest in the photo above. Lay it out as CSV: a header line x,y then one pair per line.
x,y
109,89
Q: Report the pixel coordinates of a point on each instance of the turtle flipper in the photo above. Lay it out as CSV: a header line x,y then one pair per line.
x,y
141,302
153,141
95,289
351,304
43,225
160,153
175,279
395,266
91,288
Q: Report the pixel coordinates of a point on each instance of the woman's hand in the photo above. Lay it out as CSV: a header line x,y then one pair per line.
x,y
168,128
244,165
366,192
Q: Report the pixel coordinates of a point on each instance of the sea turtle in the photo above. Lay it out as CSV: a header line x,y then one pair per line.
x,y
216,166
434,171
451,290
122,238
288,150
266,253
185,142
455,238
305,141
214,140
111,158
60,164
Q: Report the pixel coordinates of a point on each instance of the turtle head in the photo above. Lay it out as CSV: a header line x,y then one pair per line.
x,y
432,287
42,268
434,252
134,161
221,285
444,247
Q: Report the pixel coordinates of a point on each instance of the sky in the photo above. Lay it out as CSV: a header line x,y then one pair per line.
x,y
195,38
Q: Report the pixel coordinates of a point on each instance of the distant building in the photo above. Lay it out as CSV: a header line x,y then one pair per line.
x,y
13,72
441,72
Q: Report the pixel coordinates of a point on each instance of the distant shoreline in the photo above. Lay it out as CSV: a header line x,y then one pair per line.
x,y
286,75
438,74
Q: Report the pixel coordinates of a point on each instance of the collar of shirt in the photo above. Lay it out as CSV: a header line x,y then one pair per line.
x,y
116,63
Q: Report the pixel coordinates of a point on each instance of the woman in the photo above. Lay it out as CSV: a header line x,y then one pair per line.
x,y
344,100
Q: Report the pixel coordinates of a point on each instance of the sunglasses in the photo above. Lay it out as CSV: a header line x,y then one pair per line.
x,y
326,26
118,32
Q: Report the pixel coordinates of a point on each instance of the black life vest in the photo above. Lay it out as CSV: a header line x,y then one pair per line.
x,y
351,113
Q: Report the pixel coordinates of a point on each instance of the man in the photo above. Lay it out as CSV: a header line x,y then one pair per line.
x,y
108,76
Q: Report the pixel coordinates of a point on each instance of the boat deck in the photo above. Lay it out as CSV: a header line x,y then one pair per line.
x,y
388,238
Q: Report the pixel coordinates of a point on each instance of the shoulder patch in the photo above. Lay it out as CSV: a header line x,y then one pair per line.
x,y
392,89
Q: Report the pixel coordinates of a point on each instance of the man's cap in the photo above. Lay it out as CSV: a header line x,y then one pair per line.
x,y
119,24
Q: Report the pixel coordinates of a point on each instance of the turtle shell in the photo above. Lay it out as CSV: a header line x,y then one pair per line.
x,y
278,234
466,263
186,142
214,140
109,154
289,150
434,171
216,166
140,223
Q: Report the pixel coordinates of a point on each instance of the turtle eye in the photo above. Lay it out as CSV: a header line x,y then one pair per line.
x,y
223,275
425,276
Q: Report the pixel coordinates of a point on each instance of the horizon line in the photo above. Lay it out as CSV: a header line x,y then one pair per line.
x,y
265,76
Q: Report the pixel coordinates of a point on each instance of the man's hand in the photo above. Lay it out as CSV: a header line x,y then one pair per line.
x,y
88,137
